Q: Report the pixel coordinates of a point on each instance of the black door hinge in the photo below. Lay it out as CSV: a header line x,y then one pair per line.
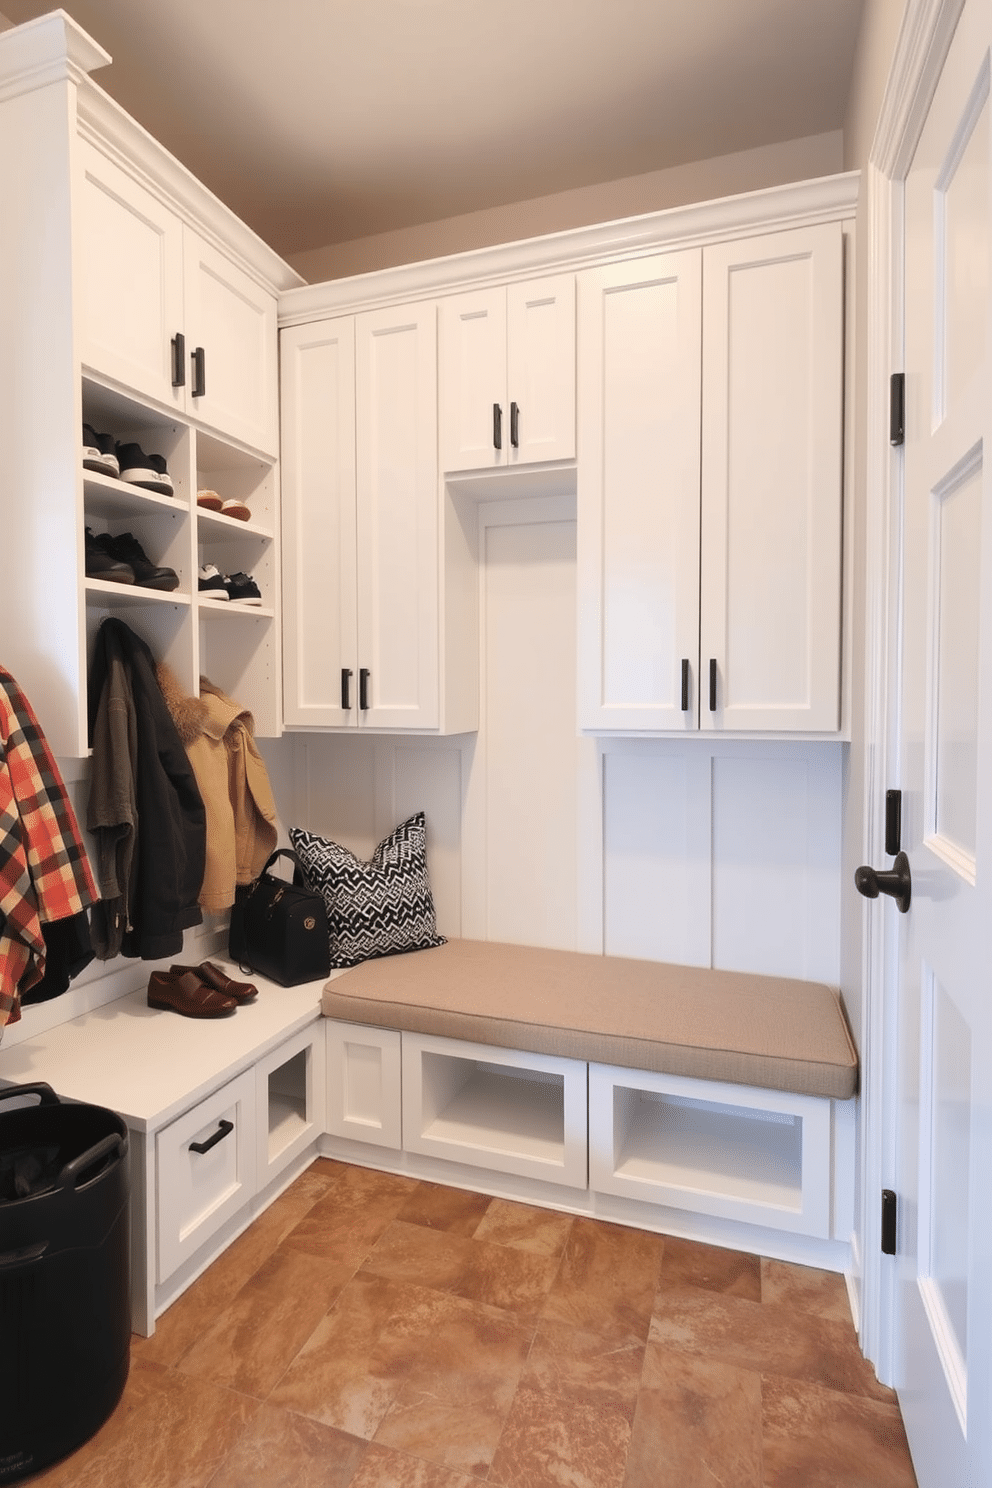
x,y
893,822
897,408
888,1222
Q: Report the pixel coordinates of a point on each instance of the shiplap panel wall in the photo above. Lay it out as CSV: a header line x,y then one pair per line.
x,y
704,852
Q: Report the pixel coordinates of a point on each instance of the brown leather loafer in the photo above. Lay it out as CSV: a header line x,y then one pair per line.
x,y
210,973
186,993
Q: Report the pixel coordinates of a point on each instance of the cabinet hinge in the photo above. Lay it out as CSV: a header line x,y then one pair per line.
x,y
893,822
888,1222
897,408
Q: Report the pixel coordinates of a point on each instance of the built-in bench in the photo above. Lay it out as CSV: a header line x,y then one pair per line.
x,y
713,1093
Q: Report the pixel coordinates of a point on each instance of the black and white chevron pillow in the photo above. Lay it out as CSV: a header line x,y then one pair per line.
x,y
378,908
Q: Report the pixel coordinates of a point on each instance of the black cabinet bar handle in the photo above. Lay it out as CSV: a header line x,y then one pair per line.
x,y
224,1129
199,372
497,426
685,684
363,688
179,360
515,425
346,676
712,684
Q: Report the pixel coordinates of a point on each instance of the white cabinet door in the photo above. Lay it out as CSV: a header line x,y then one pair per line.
x,y
231,346
473,380
771,482
130,281
396,422
507,361
638,493
540,379
319,552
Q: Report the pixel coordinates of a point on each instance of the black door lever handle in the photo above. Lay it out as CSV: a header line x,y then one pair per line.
x,y
896,881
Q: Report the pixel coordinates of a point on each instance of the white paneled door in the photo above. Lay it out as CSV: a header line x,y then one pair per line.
x,y
944,1339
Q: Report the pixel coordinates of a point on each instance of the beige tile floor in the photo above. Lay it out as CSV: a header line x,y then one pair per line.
x,y
370,1331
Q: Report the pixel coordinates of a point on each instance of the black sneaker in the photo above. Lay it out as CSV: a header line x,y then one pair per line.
x,y
127,549
212,583
102,565
242,587
139,469
98,452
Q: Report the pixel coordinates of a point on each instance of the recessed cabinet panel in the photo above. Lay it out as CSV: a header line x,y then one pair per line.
x,y
473,380
364,1084
638,494
319,542
131,280
230,327
396,411
206,1170
771,481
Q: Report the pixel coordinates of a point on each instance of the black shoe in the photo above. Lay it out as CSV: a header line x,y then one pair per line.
x,y
98,452
139,469
211,583
241,586
127,549
103,565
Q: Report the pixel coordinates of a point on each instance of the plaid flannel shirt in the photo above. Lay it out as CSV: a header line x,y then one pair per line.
x,y
44,871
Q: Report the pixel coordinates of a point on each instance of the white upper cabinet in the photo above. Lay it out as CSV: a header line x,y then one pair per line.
x,y
710,490
771,482
377,635
638,493
166,315
507,368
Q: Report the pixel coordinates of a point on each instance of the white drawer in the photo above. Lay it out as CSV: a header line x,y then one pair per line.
x,y
198,1190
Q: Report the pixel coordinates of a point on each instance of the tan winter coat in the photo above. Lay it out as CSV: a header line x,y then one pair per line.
x,y
219,737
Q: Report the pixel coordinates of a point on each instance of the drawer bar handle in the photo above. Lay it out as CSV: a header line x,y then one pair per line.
x,y
179,360
199,372
224,1129
712,684
363,688
685,684
346,676
515,425
497,426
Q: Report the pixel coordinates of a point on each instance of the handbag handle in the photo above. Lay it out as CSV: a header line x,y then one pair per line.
x,y
285,852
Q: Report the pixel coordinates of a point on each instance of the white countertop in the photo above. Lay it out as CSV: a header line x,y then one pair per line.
x,y
149,1065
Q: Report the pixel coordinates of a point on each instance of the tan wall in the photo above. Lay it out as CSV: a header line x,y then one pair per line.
x,y
703,180
879,30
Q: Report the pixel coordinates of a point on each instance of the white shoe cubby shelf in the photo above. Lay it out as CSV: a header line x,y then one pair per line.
x,y
234,644
732,1152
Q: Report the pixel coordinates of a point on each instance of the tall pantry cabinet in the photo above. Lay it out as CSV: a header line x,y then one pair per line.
x,y
132,300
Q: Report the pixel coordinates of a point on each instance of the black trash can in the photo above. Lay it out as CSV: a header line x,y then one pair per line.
x,y
65,1282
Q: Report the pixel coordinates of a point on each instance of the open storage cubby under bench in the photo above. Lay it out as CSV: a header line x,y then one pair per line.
x,y
222,1113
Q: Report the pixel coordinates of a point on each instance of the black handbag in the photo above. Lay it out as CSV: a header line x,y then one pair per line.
x,y
279,929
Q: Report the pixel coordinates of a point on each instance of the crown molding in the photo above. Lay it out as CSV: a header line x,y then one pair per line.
x,y
51,49
795,205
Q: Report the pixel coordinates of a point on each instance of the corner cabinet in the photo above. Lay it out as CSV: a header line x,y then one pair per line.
x,y
133,301
710,487
366,539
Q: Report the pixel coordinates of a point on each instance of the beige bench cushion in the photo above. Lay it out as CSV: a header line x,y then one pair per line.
x,y
681,1020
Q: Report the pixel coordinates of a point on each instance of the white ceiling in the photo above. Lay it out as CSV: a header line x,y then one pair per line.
x,y
319,121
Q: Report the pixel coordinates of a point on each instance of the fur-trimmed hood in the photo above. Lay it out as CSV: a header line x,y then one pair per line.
x,y
211,713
